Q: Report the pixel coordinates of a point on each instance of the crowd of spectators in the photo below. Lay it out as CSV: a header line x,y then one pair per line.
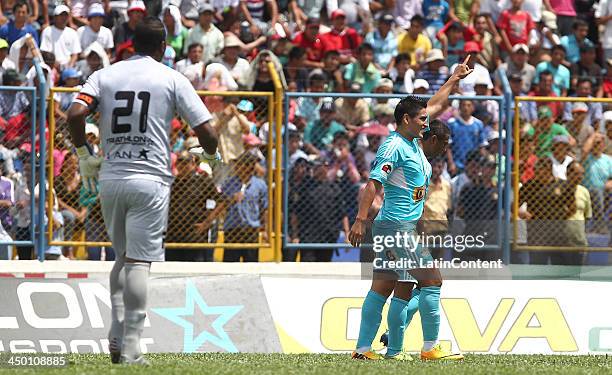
x,y
558,48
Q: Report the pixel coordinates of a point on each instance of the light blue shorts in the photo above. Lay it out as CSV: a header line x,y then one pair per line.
x,y
397,249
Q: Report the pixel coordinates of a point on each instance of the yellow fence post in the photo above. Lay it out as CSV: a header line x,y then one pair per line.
x,y
278,184
272,105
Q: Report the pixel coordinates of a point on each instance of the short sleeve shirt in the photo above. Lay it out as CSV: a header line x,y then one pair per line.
x,y
403,170
135,116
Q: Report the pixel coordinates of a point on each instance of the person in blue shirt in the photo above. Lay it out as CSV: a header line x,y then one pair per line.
x,y
435,13
384,42
573,42
598,171
467,133
561,74
402,169
20,26
245,196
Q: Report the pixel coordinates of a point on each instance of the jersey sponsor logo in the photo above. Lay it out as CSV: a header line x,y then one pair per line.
x,y
136,140
418,194
387,168
142,155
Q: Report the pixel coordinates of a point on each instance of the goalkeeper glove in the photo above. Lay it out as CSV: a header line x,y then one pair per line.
x,y
89,166
213,160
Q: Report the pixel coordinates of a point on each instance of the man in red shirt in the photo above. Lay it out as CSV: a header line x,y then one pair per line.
x,y
514,25
310,41
544,88
341,38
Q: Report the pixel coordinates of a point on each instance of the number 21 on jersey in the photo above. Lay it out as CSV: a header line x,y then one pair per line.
x,y
129,99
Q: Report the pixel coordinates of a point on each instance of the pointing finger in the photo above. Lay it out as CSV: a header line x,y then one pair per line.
x,y
467,59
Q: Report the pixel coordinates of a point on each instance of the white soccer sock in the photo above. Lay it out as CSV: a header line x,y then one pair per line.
x,y
363,349
135,300
428,345
117,283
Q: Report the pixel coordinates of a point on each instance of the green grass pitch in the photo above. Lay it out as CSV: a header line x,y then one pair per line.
x,y
237,364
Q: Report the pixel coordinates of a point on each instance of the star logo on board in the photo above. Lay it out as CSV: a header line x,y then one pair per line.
x,y
192,341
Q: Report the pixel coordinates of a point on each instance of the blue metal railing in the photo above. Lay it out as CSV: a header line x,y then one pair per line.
x,y
508,167
31,92
36,96
42,155
501,100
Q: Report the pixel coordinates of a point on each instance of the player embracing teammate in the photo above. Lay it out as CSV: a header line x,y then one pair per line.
x,y
403,170
137,100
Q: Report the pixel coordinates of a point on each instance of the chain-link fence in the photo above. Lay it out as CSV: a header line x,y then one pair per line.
x,y
19,190
227,209
331,145
561,180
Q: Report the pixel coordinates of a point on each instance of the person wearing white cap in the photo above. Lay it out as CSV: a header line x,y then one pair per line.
x,y
230,57
485,110
385,86
205,33
60,39
136,11
95,31
516,63
421,87
544,37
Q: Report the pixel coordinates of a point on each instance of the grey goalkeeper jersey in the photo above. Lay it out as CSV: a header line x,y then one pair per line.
x,y
137,99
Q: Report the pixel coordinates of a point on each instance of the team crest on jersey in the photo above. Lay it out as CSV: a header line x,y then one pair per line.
x,y
418,194
387,168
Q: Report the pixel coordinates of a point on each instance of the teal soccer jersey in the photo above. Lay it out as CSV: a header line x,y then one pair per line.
x,y
403,170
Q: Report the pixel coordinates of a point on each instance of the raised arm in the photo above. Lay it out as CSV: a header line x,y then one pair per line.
x,y
437,103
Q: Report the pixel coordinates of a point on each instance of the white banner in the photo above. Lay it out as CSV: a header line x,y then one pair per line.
x,y
489,316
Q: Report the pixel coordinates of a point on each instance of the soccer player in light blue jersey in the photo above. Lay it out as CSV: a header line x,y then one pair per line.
x,y
402,168
405,301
